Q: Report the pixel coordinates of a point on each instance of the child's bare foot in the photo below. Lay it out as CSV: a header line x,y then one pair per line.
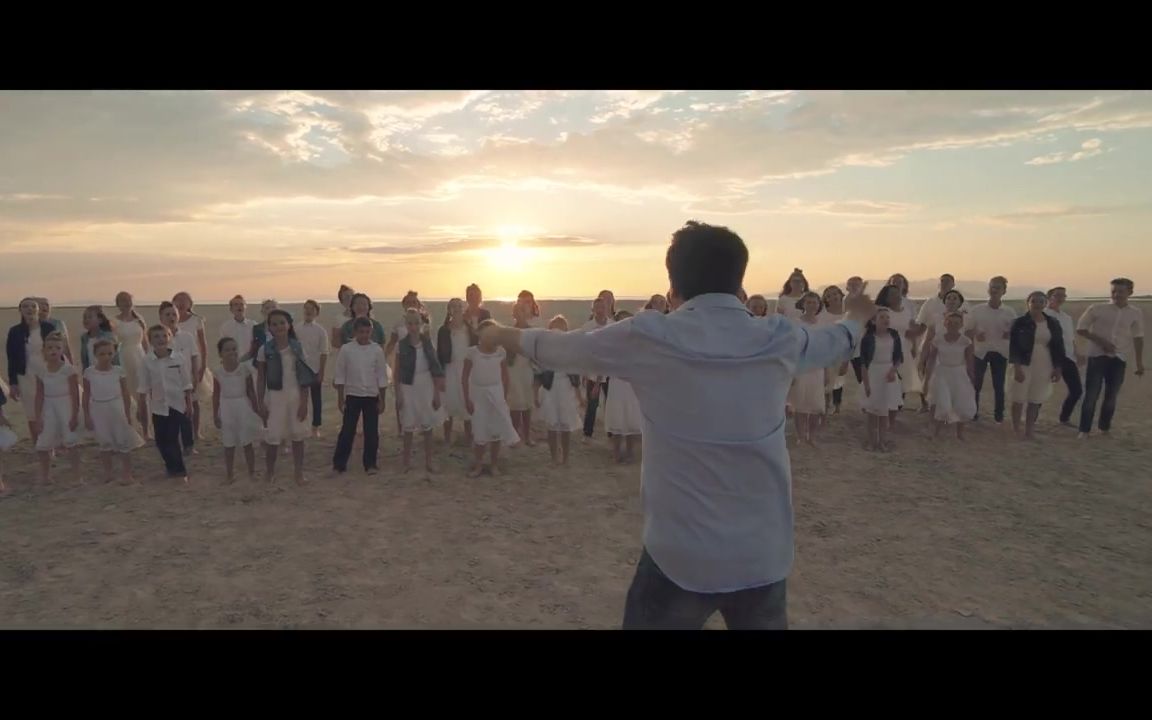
x,y
316,433
809,442
497,470
475,471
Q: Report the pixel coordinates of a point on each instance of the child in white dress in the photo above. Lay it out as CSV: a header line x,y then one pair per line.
x,y
235,408
622,418
108,410
808,401
417,376
282,388
132,336
881,353
452,342
794,288
559,399
57,407
521,377
485,383
833,301
193,324
948,377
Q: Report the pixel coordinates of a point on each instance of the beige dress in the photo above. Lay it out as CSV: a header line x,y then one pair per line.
x,y
1037,385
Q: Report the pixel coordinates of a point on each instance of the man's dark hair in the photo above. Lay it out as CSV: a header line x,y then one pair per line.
x,y
361,322
706,259
1056,289
949,276
1125,282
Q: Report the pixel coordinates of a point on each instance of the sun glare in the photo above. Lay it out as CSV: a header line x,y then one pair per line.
x,y
509,255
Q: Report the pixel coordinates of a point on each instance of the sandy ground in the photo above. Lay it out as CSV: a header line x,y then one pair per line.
x,y
993,534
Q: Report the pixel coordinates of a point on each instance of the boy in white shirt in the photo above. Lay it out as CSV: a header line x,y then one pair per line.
x,y
990,326
1070,370
1115,334
166,381
361,379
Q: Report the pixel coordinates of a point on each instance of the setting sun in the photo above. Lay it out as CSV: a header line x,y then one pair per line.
x,y
509,255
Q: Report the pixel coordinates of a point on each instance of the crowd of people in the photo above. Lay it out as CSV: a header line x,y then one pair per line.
x,y
265,384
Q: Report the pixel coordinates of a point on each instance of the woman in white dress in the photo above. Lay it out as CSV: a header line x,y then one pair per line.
x,y
794,288
57,407
881,353
949,373
1036,351
25,351
485,395
833,301
193,324
452,342
808,402
132,336
418,375
521,376
108,410
558,397
911,380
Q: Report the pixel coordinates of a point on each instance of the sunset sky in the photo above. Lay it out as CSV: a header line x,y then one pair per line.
x,y
288,194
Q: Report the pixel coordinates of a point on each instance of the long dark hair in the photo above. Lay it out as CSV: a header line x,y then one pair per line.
x,y
98,311
788,281
353,302
804,298
824,295
535,306
287,316
903,283
957,293
448,312
884,297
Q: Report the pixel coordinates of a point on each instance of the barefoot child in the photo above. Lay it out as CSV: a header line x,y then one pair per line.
x,y
108,410
452,342
57,407
184,344
283,380
949,372
833,301
560,401
881,355
622,417
361,378
235,408
808,389
418,374
165,380
485,384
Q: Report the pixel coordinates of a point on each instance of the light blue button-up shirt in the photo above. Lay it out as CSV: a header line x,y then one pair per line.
x,y
712,382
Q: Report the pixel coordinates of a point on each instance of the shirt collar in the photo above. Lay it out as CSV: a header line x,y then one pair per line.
x,y
710,301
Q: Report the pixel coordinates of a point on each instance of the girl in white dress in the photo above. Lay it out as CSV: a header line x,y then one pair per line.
x,y
882,355
808,389
949,375
282,386
794,288
758,306
902,317
193,324
132,340
521,376
417,375
108,410
953,303
559,399
485,384
235,408
452,342
57,407
833,301
855,286
1036,366
622,418
184,342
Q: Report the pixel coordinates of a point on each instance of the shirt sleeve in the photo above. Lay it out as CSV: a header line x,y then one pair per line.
x,y
383,375
611,350
1087,318
323,340
922,316
827,345
142,382
341,372
260,356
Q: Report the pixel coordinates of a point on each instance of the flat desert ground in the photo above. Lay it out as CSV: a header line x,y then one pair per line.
x,y
994,533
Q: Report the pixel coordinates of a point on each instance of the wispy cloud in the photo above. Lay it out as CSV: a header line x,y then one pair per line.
x,y
489,242
1088,149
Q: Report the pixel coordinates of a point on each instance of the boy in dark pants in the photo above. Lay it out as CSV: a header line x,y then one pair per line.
x,y
166,380
361,379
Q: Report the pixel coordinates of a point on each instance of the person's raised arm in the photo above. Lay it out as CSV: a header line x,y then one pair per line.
x,y
609,351
826,345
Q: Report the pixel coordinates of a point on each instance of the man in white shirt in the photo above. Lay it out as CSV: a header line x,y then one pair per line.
x,y
361,380
990,325
1070,370
712,382
1115,334
595,387
933,308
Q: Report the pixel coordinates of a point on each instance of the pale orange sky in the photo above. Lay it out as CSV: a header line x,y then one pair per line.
x,y
289,194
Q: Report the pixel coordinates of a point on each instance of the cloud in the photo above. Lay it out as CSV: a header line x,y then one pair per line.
x,y
437,245
1057,212
1088,149
846,207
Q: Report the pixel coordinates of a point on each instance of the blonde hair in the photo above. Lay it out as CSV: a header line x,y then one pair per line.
x,y
53,338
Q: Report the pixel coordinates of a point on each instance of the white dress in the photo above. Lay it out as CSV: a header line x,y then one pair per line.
x,y
130,335
521,375
885,396
34,353
240,426
283,423
910,379
491,421
833,380
622,411
454,406
560,407
54,430
807,392
418,415
191,326
951,388
241,332
110,425
1037,385
786,306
